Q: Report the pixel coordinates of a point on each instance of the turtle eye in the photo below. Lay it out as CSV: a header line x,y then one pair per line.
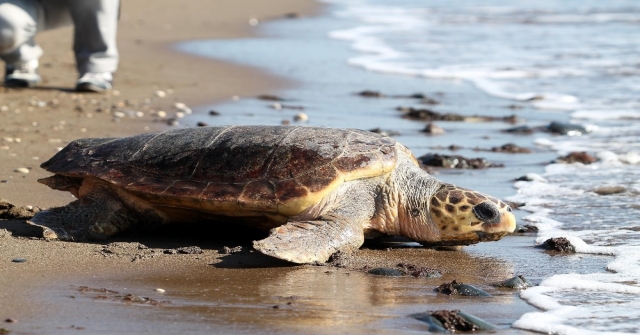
x,y
487,212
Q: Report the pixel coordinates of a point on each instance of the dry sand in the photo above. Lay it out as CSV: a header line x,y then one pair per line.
x,y
40,294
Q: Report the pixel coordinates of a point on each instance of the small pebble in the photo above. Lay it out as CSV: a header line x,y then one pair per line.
x,y
179,115
10,320
253,22
160,290
276,106
161,114
22,170
19,260
301,117
214,113
160,94
119,114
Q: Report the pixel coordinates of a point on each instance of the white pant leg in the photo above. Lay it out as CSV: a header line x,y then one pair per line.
x,y
96,23
18,26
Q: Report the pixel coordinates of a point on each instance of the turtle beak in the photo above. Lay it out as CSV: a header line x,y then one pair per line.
x,y
507,223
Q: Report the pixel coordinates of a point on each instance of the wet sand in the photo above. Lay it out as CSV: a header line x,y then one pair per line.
x,y
111,287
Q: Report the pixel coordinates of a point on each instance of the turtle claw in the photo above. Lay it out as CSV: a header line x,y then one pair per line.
x,y
52,229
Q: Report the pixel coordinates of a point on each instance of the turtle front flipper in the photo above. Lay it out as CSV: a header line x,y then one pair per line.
x,y
312,241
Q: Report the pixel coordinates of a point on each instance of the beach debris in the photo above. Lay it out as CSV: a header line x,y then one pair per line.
x,y
389,272
419,271
570,129
192,250
301,117
19,260
384,132
609,190
560,244
456,162
512,149
160,290
134,299
228,250
518,282
432,129
269,97
453,321
214,113
577,157
455,288
291,15
532,177
182,107
279,106
22,170
11,211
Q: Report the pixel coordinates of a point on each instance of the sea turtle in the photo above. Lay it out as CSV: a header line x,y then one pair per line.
x,y
319,190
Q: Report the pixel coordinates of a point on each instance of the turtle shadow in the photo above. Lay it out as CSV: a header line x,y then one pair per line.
x,y
20,228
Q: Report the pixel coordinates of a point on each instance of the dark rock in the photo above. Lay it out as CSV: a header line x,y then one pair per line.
x,y
292,15
269,97
517,282
520,130
609,190
423,114
19,260
456,162
514,205
429,101
455,288
371,94
577,157
560,244
384,132
214,113
432,129
202,124
452,321
570,129
526,229
511,148
386,272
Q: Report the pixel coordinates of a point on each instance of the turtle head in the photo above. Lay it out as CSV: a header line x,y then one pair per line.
x,y
464,216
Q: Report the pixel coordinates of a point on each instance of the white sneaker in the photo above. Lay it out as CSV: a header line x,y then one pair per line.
x,y
22,74
95,82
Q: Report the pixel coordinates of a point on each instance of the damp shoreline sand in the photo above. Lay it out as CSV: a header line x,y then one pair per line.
x,y
64,287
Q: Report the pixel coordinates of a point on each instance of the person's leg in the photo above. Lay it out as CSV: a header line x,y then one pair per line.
x,y
95,42
18,26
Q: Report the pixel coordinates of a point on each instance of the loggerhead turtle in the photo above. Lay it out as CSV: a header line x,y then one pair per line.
x,y
319,190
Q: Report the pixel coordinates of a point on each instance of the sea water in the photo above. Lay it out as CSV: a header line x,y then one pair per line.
x,y
573,61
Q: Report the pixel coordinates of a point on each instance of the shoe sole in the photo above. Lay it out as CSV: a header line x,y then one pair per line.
x,y
17,83
91,88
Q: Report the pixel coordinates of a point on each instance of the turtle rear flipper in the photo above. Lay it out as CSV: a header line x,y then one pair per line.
x,y
312,241
95,216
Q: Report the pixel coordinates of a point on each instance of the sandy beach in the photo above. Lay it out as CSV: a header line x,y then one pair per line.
x,y
205,278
